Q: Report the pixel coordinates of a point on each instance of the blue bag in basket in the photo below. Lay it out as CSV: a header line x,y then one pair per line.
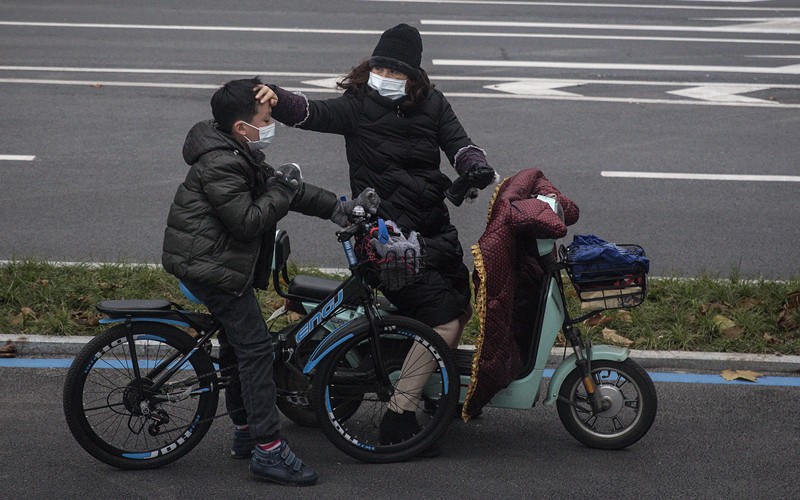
x,y
599,254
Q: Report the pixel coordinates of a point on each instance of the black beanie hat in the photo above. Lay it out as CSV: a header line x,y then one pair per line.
x,y
400,48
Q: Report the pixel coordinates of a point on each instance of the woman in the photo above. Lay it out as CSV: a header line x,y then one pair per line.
x,y
395,123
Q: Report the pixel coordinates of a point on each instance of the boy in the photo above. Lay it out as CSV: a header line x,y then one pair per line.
x,y
219,241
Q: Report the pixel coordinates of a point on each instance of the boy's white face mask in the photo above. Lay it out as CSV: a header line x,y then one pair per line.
x,y
265,136
387,87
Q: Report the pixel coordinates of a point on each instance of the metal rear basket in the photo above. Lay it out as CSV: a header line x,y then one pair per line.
x,y
600,284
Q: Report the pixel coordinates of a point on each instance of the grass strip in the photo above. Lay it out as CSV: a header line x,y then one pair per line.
x,y
707,313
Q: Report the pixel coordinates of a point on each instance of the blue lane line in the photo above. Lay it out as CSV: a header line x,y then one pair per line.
x,y
677,378
700,378
34,363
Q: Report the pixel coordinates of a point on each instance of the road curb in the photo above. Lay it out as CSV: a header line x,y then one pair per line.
x,y
52,345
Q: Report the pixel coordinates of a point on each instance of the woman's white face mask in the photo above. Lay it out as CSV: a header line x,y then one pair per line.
x,y
387,87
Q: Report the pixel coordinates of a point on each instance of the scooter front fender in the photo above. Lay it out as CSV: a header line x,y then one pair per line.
x,y
601,351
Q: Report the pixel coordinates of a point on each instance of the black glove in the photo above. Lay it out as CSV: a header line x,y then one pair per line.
x,y
479,175
368,200
466,186
288,178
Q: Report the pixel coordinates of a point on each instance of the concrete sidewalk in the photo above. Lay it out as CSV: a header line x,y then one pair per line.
x,y
60,346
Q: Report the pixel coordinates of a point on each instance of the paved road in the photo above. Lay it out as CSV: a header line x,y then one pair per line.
x,y
101,97
708,441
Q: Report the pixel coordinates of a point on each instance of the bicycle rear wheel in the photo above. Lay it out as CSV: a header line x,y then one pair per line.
x,y
113,413
351,399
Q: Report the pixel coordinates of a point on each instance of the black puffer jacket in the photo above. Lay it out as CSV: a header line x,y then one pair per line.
x,y
398,154
221,225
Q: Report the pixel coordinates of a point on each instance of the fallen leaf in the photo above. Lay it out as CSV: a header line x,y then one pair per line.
x,y
43,282
748,303
8,350
715,306
793,300
733,332
624,315
786,320
748,375
598,319
615,338
95,85
723,323
27,311
771,339
86,318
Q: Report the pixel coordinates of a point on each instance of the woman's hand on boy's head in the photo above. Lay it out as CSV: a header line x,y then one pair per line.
x,y
265,94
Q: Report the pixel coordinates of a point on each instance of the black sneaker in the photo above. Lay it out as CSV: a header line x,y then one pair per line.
x,y
243,445
398,427
281,466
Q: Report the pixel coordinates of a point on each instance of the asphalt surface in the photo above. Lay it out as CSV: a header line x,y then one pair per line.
x,y
708,441
103,96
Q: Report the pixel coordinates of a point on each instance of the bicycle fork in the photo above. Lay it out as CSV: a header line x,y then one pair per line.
x,y
385,389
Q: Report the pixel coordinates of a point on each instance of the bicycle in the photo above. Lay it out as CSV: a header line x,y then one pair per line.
x,y
143,393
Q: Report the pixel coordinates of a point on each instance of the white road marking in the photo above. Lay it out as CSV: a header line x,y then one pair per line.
x,y
623,100
702,177
333,76
566,96
100,84
17,157
782,70
784,26
721,92
603,5
173,71
424,33
326,83
258,29
540,88
718,92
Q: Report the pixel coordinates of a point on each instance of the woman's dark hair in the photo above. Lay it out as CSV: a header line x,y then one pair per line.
x,y
234,101
417,88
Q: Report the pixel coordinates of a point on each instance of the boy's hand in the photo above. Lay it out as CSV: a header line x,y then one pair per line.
x,y
289,178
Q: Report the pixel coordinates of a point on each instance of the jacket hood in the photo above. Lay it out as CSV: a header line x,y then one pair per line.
x,y
205,137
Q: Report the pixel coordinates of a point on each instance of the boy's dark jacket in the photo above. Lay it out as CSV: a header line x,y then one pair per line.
x,y
221,225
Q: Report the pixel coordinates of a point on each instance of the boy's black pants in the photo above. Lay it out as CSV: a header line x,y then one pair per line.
x,y
246,355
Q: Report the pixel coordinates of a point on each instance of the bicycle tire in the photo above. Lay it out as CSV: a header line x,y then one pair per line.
x,y
346,398
103,406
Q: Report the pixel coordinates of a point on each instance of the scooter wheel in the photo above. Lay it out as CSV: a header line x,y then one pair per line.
x,y
631,398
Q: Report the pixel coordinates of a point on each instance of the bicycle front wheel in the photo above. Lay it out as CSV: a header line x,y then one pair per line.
x,y
114,414
352,394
